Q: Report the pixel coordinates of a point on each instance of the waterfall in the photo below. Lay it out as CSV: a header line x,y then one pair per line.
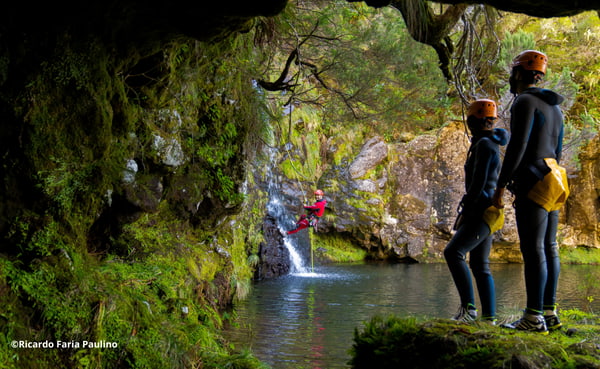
x,y
276,209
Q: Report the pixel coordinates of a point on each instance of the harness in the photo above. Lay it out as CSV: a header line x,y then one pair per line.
x,y
313,220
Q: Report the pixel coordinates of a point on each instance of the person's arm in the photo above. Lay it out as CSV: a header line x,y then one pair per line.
x,y
521,123
313,207
483,159
558,151
498,198
318,208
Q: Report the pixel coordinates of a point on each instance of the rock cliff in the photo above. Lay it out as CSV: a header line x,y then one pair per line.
x,y
399,200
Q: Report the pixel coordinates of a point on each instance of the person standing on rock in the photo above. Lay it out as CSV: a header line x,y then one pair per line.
x,y
315,211
473,234
536,134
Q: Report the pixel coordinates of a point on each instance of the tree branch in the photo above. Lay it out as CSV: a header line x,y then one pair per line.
x,y
281,83
434,30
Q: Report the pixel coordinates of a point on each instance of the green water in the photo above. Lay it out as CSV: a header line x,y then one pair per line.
x,y
307,321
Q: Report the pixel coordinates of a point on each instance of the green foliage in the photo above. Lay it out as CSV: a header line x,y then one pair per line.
x,y
49,286
580,317
580,255
300,137
243,360
67,183
243,266
179,56
71,67
572,49
367,209
347,145
45,241
144,307
160,298
225,188
143,313
350,39
226,108
578,133
514,43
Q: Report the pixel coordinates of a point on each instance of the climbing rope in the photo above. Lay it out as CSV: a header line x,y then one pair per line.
x,y
287,148
292,162
298,172
312,263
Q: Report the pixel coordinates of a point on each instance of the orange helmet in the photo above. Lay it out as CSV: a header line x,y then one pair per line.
x,y
483,108
319,193
531,60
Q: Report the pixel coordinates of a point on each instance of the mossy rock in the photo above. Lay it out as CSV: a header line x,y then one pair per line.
x,y
409,343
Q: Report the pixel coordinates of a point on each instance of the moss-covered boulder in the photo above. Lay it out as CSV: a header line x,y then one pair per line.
x,y
396,342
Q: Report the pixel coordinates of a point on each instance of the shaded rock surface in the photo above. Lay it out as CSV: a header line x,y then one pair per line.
x,y
274,256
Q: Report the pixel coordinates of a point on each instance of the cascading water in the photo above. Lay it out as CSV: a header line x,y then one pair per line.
x,y
276,209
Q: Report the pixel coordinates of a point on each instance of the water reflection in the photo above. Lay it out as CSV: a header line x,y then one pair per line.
x,y
308,320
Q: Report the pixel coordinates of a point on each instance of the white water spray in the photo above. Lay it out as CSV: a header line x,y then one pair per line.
x,y
276,209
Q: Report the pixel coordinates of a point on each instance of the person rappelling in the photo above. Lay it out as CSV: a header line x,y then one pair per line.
x,y
314,212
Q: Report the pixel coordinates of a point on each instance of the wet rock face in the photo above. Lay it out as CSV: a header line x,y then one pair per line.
x,y
409,210
409,216
427,184
582,212
373,152
274,256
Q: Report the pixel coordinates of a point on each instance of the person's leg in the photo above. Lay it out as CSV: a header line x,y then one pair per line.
x,y
532,221
553,266
314,223
301,224
480,265
552,259
466,238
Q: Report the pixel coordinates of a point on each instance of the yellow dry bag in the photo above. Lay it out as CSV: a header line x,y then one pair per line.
x,y
553,190
494,218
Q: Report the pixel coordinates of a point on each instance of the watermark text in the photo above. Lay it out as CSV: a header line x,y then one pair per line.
x,y
25,344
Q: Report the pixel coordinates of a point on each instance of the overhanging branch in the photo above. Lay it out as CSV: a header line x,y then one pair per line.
x,y
426,27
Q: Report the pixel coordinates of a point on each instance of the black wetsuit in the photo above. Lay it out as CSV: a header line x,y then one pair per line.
x,y
473,236
536,133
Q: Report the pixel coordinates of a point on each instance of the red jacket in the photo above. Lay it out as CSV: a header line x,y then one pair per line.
x,y
318,208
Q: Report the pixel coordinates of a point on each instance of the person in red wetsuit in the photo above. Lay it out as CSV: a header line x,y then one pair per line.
x,y
315,211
